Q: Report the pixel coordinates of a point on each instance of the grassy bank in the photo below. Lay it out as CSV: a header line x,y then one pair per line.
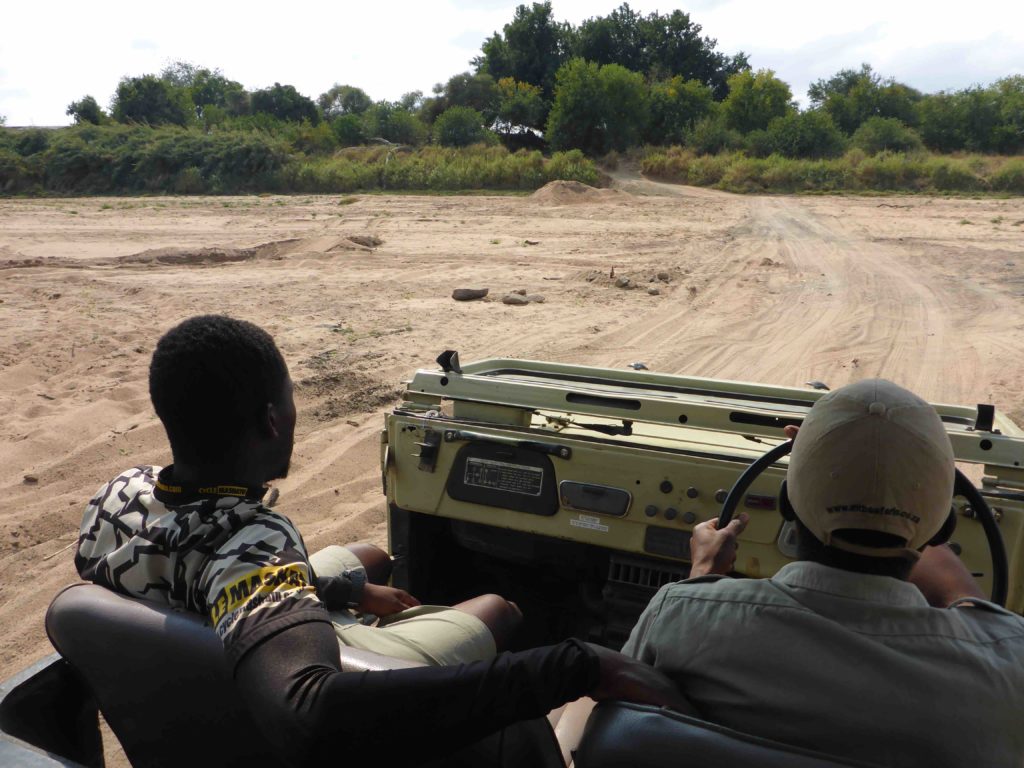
x,y
88,160
853,172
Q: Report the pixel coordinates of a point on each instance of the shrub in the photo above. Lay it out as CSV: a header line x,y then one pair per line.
x,y
189,181
459,127
806,134
1010,176
17,174
880,134
891,171
711,136
744,174
758,143
393,124
348,130
951,175
708,170
572,166
671,164
30,142
315,139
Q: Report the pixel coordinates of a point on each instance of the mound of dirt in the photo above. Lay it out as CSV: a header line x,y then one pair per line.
x,y
575,192
276,249
189,256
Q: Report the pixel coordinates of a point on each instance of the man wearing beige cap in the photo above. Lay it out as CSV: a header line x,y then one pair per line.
x,y
876,644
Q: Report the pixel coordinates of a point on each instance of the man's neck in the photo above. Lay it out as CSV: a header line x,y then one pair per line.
x,y
206,475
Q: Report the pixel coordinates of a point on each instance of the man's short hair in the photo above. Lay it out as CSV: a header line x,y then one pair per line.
x,y
210,381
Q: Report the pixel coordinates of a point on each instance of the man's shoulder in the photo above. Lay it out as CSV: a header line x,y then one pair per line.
x,y
140,476
987,622
723,589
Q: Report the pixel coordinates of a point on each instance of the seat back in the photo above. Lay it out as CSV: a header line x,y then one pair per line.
x,y
623,735
159,676
162,683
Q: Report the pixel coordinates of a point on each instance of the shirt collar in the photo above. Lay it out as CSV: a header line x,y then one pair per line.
x,y
804,574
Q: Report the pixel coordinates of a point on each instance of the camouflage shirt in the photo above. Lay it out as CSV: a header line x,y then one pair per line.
x,y
226,557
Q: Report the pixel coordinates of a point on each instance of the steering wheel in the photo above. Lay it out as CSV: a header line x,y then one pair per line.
x,y
961,487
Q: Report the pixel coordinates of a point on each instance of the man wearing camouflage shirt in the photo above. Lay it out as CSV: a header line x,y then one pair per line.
x,y
196,535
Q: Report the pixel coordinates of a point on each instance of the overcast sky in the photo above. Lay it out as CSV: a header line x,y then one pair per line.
x,y
52,53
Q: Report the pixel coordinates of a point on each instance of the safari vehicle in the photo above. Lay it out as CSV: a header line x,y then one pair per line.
x,y
570,490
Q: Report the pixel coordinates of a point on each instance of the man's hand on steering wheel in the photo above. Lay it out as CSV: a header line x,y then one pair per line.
x,y
713,551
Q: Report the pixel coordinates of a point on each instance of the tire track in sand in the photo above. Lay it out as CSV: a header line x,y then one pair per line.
x,y
834,306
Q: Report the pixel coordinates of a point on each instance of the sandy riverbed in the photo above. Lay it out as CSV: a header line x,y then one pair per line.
x,y
926,291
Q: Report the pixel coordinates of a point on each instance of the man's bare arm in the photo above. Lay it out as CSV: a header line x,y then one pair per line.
x,y
943,578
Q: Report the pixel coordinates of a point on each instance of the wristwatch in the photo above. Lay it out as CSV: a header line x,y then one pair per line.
x,y
358,580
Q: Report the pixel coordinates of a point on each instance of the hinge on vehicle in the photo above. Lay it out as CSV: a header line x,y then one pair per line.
x,y
986,418
428,450
449,361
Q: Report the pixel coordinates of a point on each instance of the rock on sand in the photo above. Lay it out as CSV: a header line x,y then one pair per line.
x,y
469,294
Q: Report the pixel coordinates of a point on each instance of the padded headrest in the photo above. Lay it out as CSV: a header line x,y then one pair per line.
x,y
159,676
623,735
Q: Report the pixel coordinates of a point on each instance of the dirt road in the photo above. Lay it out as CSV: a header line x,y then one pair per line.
x,y
926,291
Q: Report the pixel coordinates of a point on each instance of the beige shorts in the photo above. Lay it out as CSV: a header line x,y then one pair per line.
x,y
432,634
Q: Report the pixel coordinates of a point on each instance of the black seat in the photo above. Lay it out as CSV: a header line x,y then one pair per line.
x,y
623,735
163,712
161,681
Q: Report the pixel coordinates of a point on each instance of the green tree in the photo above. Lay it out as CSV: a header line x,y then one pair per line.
x,y
389,122
519,105
1009,136
710,135
877,134
212,89
474,90
810,134
851,96
969,119
597,108
349,130
411,101
285,103
151,101
754,99
530,48
208,88
675,105
942,122
86,110
459,127
343,100
659,46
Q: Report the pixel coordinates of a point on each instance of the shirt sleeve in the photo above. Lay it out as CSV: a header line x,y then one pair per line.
x,y
259,583
638,645
312,712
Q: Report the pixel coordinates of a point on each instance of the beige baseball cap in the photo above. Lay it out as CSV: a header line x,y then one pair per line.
x,y
872,456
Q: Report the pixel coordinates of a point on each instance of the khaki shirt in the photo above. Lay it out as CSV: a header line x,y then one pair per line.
x,y
852,665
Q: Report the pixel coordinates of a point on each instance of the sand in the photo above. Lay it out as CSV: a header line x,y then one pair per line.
x,y
357,290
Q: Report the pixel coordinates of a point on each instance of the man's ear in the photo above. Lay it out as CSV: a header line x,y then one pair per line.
x,y
271,421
